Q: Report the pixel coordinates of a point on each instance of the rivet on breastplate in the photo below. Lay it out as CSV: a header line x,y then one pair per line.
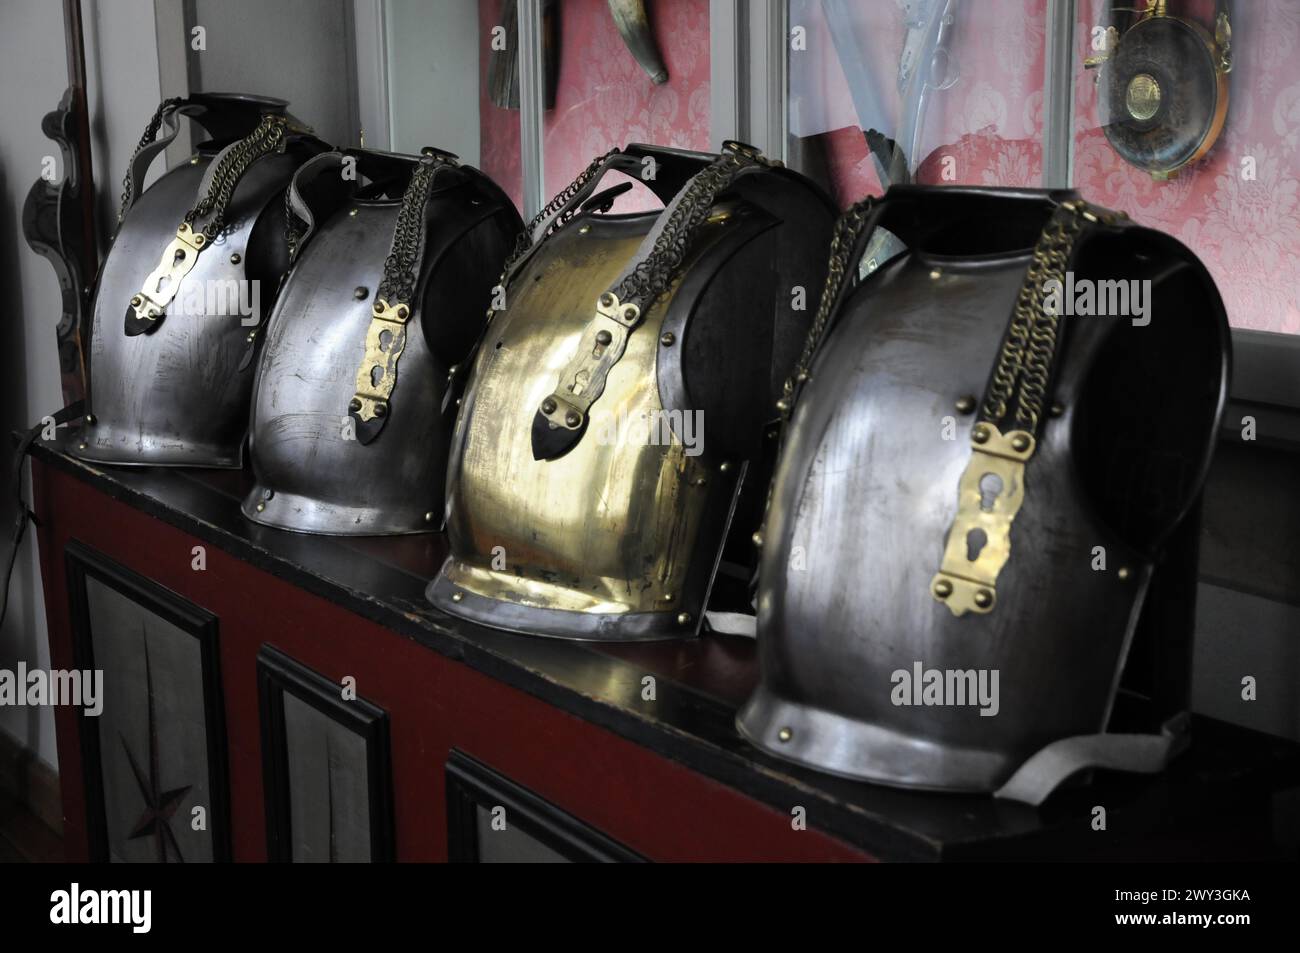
x,y
965,404
980,434
936,274
90,420
261,507
758,539
428,517
1123,574
603,338
235,259
684,618
1020,443
135,301
573,418
983,598
726,466
360,292
81,446
354,404
784,735
457,596
666,597
353,212
584,229
943,588
1057,410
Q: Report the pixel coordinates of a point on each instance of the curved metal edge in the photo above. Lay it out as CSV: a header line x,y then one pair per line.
x,y
833,744
302,514
554,623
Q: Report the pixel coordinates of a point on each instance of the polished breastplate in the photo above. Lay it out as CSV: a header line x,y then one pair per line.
x,y
170,382
319,467
619,536
912,549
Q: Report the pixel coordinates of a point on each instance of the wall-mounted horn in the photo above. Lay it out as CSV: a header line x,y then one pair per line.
x,y
634,26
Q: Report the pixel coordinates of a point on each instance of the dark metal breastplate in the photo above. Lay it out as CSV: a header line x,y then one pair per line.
x,y
317,471
887,502
171,386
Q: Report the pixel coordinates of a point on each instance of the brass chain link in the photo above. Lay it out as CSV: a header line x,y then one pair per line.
x,y
525,240
398,283
265,139
1024,364
292,232
848,228
150,134
651,276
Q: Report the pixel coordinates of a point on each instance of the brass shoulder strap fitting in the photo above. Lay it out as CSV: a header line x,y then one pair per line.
x,y
562,417
1005,436
394,304
148,306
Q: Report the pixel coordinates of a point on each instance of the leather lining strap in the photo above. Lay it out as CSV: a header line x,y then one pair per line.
x,y
1043,773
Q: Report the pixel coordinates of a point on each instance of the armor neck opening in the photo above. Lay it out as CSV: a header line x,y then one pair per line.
x,y
967,223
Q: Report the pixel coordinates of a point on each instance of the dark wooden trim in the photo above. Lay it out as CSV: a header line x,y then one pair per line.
x,y
83,561
277,673
31,782
691,722
1266,368
472,784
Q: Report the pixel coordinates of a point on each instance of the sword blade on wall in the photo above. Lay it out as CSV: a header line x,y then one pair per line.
x,y
925,65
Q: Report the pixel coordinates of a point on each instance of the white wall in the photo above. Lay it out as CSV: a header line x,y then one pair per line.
x,y
432,76
122,75
299,50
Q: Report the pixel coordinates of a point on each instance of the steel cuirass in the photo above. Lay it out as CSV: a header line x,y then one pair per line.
x,y
620,395
353,402
1002,425
191,274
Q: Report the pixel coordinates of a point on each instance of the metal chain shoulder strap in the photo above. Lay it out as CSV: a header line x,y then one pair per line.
x,y
844,239
146,140
526,240
292,226
394,304
1019,381
620,309
1005,435
148,306
651,275
268,137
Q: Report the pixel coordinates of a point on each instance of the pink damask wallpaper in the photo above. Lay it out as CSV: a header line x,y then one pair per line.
x,y
989,122
499,154
1246,230
603,98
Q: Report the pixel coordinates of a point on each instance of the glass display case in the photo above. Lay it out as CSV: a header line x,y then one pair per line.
x,y
1183,113
883,93
609,74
